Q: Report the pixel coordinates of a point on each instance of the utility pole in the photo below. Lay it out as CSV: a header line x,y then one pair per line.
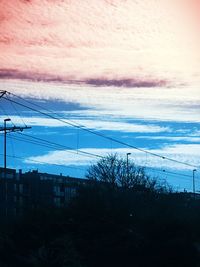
x,y
127,164
6,130
5,142
6,185
193,180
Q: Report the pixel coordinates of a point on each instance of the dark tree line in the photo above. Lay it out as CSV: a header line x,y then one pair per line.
x,y
116,219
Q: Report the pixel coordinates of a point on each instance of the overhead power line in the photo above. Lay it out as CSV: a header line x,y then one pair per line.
x,y
18,138
61,147
17,113
82,127
43,162
83,169
47,143
164,171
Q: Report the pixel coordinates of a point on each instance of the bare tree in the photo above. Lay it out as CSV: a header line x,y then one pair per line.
x,y
114,170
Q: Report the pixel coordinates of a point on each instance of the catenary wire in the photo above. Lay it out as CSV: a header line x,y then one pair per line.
x,y
145,167
42,162
92,131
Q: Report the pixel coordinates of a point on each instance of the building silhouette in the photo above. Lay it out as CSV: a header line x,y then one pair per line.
x,y
20,192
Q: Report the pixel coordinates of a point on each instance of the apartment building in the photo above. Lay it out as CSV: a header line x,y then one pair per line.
x,y
22,191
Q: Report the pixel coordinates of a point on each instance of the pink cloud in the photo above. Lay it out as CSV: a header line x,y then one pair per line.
x,y
99,42
30,76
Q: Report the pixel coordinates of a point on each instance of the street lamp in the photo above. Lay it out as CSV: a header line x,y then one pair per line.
x,y
5,132
6,185
127,163
193,179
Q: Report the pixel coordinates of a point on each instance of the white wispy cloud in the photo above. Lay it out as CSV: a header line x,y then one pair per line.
x,y
189,138
185,153
162,104
91,124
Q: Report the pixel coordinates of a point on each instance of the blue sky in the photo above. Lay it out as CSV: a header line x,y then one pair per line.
x,y
127,69
132,118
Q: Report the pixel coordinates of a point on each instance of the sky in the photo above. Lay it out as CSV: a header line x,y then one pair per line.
x,y
128,69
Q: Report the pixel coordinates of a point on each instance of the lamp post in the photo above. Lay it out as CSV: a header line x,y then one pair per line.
x,y
193,181
6,130
127,163
5,133
5,167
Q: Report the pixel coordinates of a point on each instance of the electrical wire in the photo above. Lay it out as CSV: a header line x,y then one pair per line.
x,y
82,127
62,146
163,170
58,147
52,144
145,167
16,111
42,162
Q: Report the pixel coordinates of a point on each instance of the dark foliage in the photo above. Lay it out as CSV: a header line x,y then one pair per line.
x,y
136,223
106,226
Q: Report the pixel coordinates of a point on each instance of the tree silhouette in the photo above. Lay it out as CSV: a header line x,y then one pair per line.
x,y
115,171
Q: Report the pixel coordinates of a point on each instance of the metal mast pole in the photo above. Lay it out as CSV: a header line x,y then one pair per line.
x,y
127,165
5,133
6,185
193,180
6,130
